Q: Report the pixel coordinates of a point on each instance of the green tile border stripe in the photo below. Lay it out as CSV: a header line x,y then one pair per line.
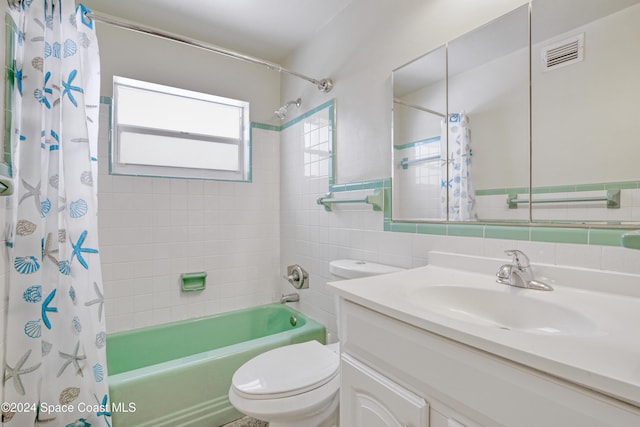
x,y
309,113
364,185
332,141
416,143
502,191
265,126
525,232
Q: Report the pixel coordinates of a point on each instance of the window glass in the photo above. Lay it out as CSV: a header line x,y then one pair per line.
x,y
165,131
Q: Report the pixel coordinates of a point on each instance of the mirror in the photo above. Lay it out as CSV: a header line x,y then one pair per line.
x,y
489,118
569,139
419,107
585,100
460,175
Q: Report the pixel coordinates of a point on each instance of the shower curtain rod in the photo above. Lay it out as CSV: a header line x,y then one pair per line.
x,y
324,85
417,107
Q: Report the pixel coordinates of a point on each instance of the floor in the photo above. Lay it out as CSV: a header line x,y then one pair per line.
x,y
247,422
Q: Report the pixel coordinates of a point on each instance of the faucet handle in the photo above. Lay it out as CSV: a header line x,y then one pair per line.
x,y
504,274
519,258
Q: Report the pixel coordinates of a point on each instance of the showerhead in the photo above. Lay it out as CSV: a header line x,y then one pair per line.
x,y
282,111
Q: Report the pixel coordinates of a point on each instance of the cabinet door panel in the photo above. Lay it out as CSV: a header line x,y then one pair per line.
x,y
369,399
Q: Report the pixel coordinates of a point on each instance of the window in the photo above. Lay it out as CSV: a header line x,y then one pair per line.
x,y
164,131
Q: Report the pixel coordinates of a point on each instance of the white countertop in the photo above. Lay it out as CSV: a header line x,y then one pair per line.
x,y
608,360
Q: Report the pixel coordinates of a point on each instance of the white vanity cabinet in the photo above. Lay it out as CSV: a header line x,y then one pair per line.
x,y
369,399
396,374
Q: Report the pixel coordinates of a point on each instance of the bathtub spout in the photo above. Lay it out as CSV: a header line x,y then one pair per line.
x,y
294,297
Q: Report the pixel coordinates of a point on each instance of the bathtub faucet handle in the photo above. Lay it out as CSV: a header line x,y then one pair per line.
x,y
297,277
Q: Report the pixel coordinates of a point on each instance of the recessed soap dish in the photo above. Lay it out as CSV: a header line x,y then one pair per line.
x,y
193,281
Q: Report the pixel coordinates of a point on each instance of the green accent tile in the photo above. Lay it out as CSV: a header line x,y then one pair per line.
x,y
373,184
554,189
403,227
106,100
388,204
465,230
492,192
560,235
5,170
590,187
309,113
265,126
620,185
631,240
416,143
523,190
606,237
436,229
354,186
506,232
387,225
332,143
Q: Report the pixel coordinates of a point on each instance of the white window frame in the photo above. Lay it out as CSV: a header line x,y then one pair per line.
x,y
243,143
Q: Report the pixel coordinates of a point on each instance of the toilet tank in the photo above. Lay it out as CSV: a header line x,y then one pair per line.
x,y
342,269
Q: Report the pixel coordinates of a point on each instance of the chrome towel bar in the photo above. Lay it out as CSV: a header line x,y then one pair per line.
x,y
612,198
376,200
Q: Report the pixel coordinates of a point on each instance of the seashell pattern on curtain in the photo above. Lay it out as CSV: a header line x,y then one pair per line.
x,y
55,330
457,167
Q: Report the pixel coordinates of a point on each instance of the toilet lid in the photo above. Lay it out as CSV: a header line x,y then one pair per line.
x,y
286,371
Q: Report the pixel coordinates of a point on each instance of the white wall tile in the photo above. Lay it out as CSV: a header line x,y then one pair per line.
x,y
154,229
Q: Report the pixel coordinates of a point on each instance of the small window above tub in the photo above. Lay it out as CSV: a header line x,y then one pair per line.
x,y
165,131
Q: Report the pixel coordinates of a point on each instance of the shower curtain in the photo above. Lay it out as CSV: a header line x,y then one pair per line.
x,y
456,170
55,361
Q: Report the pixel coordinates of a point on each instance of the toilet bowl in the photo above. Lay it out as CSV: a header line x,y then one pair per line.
x,y
297,385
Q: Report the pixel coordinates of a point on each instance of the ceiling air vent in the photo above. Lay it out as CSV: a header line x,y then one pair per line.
x,y
561,54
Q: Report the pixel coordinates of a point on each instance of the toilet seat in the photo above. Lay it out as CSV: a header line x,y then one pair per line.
x,y
286,371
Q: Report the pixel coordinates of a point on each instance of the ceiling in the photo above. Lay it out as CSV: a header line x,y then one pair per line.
x,y
269,30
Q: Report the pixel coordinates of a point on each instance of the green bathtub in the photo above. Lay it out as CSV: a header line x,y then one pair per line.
x,y
179,374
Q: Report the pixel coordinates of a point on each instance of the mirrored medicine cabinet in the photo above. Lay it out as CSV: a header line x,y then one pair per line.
x,y
528,119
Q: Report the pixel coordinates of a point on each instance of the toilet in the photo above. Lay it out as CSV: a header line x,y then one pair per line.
x,y
298,385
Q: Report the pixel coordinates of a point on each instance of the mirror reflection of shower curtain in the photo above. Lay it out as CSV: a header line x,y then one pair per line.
x,y
456,170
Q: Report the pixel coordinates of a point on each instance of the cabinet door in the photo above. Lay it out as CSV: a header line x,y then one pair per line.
x,y
369,399
440,420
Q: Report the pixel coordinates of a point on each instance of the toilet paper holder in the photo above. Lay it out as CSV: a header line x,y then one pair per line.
x,y
297,276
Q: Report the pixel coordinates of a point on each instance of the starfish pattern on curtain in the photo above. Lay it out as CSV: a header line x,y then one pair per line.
x,y
55,330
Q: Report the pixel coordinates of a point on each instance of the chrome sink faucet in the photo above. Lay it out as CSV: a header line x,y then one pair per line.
x,y
519,273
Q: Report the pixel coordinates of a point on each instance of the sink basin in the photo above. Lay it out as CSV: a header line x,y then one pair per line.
x,y
502,309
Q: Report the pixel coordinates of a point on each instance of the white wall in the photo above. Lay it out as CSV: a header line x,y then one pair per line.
x,y
367,42
565,151
495,97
